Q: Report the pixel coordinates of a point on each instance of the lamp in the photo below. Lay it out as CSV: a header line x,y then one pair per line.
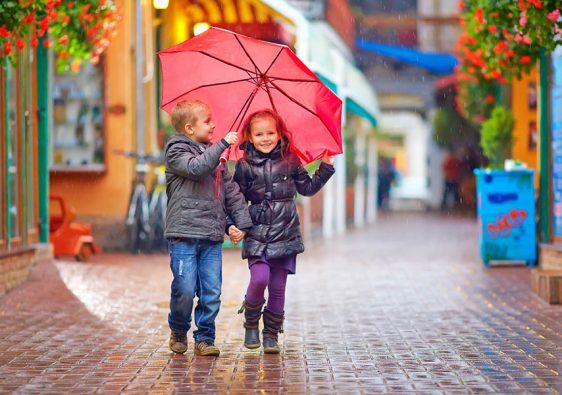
x,y
160,4
200,27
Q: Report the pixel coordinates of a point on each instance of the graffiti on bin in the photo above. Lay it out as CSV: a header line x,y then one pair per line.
x,y
499,198
505,223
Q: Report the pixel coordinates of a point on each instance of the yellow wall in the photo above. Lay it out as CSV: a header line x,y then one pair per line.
x,y
525,116
107,194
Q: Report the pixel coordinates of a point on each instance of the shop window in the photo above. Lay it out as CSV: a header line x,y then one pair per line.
x,y
78,112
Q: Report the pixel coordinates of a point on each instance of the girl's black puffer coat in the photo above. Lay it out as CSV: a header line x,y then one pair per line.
x,y
270,182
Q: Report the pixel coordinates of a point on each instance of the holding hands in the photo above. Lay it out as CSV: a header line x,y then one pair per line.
x,y
235,234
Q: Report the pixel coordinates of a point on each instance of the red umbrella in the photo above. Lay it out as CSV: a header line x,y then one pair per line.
x,y
237,75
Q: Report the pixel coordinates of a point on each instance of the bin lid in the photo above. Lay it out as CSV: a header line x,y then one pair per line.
x,y
499,172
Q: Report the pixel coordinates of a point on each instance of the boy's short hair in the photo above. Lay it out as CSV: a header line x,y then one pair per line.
x,y
184,112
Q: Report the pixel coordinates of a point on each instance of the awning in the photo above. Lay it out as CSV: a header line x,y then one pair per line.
x,y
440,63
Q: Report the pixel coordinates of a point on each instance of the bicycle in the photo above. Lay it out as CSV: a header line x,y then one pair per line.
x,y
157,210
146,213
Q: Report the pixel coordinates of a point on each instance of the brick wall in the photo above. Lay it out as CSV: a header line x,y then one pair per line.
x,y
15,265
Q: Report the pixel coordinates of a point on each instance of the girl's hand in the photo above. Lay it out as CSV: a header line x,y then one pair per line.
x,y
329,159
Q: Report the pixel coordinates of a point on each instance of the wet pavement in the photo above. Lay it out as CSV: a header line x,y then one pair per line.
x,y
403,306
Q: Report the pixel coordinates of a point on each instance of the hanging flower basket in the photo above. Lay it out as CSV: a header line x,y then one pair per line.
x,y
501,40
78,30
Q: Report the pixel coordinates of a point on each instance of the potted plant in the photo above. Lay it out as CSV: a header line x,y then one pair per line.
x,y
506,201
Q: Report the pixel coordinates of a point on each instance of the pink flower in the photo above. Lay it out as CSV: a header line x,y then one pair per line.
x,y
526,40
553,16
523,19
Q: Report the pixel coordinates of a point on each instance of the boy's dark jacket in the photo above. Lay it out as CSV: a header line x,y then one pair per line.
x,y
193,210
270,182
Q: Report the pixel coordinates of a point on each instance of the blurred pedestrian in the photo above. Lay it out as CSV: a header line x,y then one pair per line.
x,y
452,168
270,175
199,190
386,175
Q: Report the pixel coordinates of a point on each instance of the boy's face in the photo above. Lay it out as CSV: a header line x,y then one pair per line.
x,y
202,130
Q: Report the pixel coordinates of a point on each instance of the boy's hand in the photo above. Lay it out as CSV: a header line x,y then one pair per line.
x,y
231,138
328,159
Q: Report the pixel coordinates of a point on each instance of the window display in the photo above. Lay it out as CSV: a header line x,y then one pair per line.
x,y
78,112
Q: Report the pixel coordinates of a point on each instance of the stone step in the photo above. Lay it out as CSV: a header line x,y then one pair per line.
x,y
551,256
547,284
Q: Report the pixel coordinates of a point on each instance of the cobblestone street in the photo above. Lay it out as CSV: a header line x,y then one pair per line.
x,y
402,306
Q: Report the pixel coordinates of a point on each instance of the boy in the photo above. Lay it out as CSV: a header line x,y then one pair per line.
x,y
196,222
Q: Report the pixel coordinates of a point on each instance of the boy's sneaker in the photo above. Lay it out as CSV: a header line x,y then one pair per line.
x,y
178,342
206,349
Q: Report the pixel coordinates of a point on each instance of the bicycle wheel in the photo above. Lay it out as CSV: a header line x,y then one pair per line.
x,y
139,227
158,221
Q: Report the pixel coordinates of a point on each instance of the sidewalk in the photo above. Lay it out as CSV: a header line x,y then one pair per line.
x,y
403,306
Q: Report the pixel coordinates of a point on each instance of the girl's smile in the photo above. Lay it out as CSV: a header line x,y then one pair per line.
x,y
264,135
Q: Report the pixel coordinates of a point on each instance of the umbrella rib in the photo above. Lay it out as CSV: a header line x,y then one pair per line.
x,y
299,104
270,98
226,62
290,79
293,100
246,104
274,60
248,55
205,86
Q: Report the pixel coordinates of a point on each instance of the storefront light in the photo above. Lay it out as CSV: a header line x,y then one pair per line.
x,y
200,27
160,4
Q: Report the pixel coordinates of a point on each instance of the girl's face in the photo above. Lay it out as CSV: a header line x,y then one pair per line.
x,y
263,134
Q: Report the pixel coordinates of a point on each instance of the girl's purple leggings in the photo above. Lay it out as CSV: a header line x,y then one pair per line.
x,y
275,279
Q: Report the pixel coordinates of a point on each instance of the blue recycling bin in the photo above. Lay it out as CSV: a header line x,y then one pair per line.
x,y
506,215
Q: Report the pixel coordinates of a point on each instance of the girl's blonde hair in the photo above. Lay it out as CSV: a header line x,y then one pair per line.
x,y
284,134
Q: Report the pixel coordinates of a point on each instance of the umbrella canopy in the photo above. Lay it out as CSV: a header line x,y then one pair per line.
x,y
238,75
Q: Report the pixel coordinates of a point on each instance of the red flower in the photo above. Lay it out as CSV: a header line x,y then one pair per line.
x,y
63,54
63,40
34,42
4,32
509,53
29,18
65,19
500,47
480,15
521,4
496,74
536,3
20,43
461,5
70,5
492,29
7,47
46,43
553,16
490,99
525,59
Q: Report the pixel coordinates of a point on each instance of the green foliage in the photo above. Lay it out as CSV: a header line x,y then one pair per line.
x,y
76,30
496,137
445,126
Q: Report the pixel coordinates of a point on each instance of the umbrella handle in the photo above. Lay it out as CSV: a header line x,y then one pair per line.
x,y
225,155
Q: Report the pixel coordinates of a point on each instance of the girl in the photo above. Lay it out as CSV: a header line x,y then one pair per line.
x,y
270,175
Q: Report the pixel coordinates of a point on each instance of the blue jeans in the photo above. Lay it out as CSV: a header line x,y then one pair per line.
x,y
197,269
